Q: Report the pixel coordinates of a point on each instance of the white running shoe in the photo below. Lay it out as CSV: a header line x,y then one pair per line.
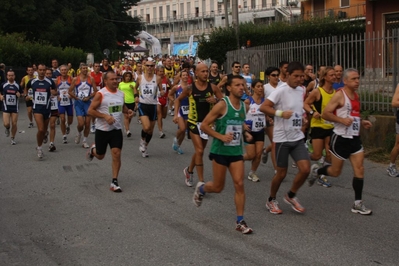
x,y
77,138
85,145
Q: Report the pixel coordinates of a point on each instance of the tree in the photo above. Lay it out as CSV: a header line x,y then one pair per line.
x,y
90,25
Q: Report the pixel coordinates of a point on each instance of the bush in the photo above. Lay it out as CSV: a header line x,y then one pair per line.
x,y
16,51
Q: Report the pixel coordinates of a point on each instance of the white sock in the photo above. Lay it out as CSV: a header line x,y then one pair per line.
x,y
84,139
392,165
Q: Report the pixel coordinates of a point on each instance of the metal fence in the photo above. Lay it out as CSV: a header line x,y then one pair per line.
x,y
375,55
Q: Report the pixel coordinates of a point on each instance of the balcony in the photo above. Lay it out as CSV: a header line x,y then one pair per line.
x,y
183,17
356,11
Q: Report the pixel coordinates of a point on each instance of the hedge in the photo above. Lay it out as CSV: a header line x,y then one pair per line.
x,y
16,51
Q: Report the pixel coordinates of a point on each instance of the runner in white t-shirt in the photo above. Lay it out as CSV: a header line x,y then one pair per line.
x,y
286,104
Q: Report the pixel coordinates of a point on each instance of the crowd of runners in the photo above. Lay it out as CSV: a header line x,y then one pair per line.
x,y
305,115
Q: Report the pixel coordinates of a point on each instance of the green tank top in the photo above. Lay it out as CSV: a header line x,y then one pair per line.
x,y
231,121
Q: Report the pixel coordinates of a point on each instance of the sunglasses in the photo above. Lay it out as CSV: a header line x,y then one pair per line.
x,y
273,75
237,66
149,65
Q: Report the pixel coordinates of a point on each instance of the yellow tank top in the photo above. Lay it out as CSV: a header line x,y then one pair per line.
x,y
319,106
169,73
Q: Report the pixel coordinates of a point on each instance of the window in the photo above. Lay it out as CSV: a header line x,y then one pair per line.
x,y
160,13
181,11
344,3
264,3
135,13
196,12
154,13
211,6
167,12
274,2
174,14
253,4
147,19
203,7
245,4
141,12
188,9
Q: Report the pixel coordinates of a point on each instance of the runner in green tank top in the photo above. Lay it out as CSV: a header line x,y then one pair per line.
x,y
226,151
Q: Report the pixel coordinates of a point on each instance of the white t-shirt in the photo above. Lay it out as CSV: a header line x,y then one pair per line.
x,y
286,98
268,89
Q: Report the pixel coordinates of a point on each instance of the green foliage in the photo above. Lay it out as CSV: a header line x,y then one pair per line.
x,y
222,40
89,25
16,51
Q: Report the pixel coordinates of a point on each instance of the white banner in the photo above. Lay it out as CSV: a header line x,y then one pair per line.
x,y
150,40
190,45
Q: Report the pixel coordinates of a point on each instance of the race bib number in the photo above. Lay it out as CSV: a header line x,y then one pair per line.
x,y
236,130
203,135
185,109
148,90
64,98
354,129
295,121
81,95
114,109
54,103
258,124
11,100
41,98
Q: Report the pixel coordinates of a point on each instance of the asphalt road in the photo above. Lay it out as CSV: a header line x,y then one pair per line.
x,y
59,211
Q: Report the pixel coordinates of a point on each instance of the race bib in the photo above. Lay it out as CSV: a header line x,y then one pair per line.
x,y
236,130
41,98
54,102
11,99
258,124
64,98
185,109
354,129
148,90
295,121
203,135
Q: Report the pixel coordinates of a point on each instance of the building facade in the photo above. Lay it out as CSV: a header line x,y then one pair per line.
x,y
342,9
183,18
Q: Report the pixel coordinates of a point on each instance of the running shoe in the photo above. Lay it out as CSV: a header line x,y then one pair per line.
x,y
45,139
189,177
67,130
64,140
392,171
295,205
197,197
175,146
253,177
7,132
179,151
243,227
128,134
89,153
313,176
115,187
360,208
322,181
85,145
144,154
93,129
77,138
142,145
170,112
30,125
321,161
161,135
51,147
13,141
293,165
265,156
39,153
272,206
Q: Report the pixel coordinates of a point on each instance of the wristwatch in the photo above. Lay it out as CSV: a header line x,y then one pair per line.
x,y
311,112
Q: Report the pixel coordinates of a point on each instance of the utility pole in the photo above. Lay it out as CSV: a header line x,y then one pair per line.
x,y
226,13
235,22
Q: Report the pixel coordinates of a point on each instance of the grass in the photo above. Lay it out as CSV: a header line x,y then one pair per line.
x,y
378,155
